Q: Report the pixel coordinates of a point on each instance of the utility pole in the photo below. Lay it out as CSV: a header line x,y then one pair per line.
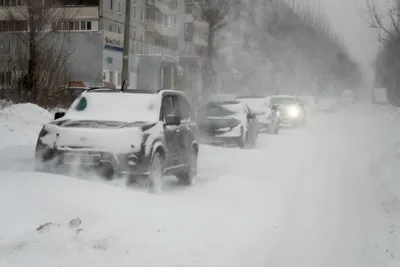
x,y
127,30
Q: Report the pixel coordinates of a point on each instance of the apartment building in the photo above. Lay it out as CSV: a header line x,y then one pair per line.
x,y
194,30
96,28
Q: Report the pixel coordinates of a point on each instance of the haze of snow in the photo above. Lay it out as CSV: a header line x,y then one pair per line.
x,y
325,195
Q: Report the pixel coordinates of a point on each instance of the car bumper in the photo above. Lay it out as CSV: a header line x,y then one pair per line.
x,y
62,160
290,121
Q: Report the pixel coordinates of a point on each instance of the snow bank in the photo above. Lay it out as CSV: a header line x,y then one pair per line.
x,y
122,227
19,128
20,124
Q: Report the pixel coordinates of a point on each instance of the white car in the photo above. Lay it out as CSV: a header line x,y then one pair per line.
x,y
325,104
347,97
267,114
130,133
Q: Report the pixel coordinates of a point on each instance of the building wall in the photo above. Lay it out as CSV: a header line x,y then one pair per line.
x,y
112,16
86,60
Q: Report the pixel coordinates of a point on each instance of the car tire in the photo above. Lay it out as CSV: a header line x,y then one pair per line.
x,y
156,173
107,172
189,175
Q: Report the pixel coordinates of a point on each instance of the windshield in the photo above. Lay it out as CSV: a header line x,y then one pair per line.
x,y
283,100
121,107
220,110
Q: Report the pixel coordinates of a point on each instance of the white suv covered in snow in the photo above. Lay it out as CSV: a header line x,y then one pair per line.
x,y
130,132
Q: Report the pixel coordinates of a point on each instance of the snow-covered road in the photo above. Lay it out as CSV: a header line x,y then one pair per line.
x,y
326,195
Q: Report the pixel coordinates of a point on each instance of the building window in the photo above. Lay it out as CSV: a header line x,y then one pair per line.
x,y
172,20
150,13
169,20
142,14
188,31
109,60
110,27
112,77
188,8
119,29
13,26
12,2
72,25
119,6
111,4
134,12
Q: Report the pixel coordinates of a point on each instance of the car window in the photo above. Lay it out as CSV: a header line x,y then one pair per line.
x,y
76,92
183,108
167,107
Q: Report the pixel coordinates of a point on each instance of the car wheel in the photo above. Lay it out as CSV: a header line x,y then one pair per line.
x,y
107,172
188,176
156,176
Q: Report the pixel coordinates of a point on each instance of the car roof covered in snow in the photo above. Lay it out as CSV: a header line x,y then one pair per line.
x,y
250,96
283,96
134,91
111,105
224,102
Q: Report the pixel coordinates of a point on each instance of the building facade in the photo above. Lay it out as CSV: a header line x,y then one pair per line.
x,y
96,30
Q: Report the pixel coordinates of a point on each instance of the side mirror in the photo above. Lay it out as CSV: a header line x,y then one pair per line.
x,y
251,116
172,120
59,115
274,108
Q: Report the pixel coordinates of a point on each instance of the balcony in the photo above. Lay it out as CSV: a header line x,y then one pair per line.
x,y
114,41
144,48
78,12
154,26
74,2
200,31
167,6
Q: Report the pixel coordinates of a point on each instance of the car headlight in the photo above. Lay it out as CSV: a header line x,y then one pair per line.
x,y
293,112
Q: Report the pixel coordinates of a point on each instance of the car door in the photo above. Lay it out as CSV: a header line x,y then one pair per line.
x,y
251,123
170,132
186,129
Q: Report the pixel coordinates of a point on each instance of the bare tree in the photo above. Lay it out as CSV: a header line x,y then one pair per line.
x,y
37,42
215,13
385,22
385,19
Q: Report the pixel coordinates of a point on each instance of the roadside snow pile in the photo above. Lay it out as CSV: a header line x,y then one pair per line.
x,y
121,227
20,124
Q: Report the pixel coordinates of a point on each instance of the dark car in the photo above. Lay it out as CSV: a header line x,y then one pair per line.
x,y
291,110
129,133
227,122
267,115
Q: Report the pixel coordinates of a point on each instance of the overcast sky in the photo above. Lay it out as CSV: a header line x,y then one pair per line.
x,y
345,16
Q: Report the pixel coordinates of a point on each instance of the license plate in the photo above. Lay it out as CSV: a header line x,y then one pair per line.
x,y
80,159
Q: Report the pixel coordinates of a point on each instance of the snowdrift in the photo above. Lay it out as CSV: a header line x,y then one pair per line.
x,y
20,124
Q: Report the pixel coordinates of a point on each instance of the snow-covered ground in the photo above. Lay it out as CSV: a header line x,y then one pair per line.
x,y
326,195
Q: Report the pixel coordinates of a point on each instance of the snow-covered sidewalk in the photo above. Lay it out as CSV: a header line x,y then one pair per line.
x,y
324,195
